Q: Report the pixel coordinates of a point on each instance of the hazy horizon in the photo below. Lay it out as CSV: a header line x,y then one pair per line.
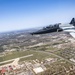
x,y
25,14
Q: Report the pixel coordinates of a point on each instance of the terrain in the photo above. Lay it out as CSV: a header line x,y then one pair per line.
x,y
52,53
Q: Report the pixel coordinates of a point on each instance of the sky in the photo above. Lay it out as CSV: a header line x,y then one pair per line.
x,y
24,14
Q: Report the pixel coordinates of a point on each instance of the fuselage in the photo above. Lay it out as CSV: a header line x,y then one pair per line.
x,y
48,29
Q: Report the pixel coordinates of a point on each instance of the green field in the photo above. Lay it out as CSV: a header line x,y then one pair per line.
x,y
36,55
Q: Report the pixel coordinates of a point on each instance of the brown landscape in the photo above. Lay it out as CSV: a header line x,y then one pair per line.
x,y
45,54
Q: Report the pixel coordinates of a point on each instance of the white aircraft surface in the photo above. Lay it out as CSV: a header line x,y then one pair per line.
x,y
69,27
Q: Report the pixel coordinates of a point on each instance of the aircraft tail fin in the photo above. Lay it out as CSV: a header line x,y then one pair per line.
x,y
73,21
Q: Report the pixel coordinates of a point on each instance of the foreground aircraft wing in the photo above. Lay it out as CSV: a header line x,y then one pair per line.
x,y
69,27
72,34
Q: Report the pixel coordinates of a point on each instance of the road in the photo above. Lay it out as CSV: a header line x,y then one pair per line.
x,y
57,56
16,59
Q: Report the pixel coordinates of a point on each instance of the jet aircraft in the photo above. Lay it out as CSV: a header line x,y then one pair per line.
x,y
70,27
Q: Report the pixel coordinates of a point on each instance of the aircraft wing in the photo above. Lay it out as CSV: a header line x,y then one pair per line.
x,y
69,28
72,34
